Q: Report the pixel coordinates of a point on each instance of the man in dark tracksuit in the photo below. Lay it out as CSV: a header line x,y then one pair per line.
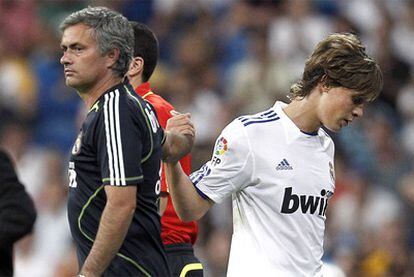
x,y
17,213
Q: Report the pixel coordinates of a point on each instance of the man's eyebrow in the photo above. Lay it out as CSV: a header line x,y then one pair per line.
x,y
71,45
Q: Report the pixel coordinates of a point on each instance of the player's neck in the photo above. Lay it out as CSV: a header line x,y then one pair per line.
x,y
90,95
135,81
303,113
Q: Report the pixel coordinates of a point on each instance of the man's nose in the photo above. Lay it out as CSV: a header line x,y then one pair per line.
x,y
65,59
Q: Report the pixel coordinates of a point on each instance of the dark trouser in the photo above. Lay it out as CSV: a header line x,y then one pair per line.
x,y
182,261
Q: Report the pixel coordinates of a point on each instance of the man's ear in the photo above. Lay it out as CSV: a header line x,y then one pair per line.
x,y
136,67
324,87
113,57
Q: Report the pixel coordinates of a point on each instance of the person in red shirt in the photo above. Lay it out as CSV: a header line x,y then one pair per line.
x,y
178,236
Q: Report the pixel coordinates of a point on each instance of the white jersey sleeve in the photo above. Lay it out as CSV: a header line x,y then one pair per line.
x,y
231,166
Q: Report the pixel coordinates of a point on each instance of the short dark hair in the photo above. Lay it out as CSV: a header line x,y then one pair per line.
x,y
146,47
342,59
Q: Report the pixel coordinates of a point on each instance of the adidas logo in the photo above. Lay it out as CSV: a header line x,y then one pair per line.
x,y
284,165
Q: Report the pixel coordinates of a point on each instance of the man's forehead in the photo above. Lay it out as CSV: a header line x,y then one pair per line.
x,y
77,33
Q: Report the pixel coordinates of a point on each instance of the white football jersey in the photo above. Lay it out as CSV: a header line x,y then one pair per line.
x,y
280,180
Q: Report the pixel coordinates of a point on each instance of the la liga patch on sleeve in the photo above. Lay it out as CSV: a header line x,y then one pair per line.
x,y
221,147
219,150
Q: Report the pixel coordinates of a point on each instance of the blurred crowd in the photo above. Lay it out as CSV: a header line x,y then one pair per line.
x,y
220,59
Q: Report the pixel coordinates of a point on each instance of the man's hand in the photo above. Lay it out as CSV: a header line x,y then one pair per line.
x,y
181,124
180,138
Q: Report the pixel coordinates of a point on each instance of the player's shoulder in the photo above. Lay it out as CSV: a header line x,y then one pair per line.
x,y
162,107
259,119
123,102
327,141
119,95
325,135
159,102
252,125
131,102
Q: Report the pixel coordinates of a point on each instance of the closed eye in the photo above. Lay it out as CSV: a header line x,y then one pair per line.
x,y
358,100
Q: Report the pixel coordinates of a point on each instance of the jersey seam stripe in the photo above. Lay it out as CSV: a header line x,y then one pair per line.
x,y
261,121
265,113
202,194
164,138
108,144
134,263
126,179
119,139
92,240
146,94
148,126
200,174
197,177
94,107
113,137
206,193
245,119
190,267
261,117
269,112
83,211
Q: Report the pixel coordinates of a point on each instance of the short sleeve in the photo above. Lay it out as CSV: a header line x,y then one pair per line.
x,y
230,168
119,141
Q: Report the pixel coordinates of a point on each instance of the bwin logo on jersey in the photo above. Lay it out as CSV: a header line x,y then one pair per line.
x,y
284,165
307,203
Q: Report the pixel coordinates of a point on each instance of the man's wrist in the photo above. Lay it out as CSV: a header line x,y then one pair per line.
x,y
87,273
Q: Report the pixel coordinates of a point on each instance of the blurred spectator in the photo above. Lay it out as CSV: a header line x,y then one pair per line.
x,y
51,240
258,74
17,82
18,21
295,33
406,190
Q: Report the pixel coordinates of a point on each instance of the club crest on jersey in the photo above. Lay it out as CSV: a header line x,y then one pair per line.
x,y
77,146
332,172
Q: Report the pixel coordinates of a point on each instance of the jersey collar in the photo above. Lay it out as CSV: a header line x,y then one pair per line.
x,y
95,106
291,129
144,89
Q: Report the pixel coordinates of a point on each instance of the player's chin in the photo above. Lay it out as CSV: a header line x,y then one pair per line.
x,y
333,127
70,82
